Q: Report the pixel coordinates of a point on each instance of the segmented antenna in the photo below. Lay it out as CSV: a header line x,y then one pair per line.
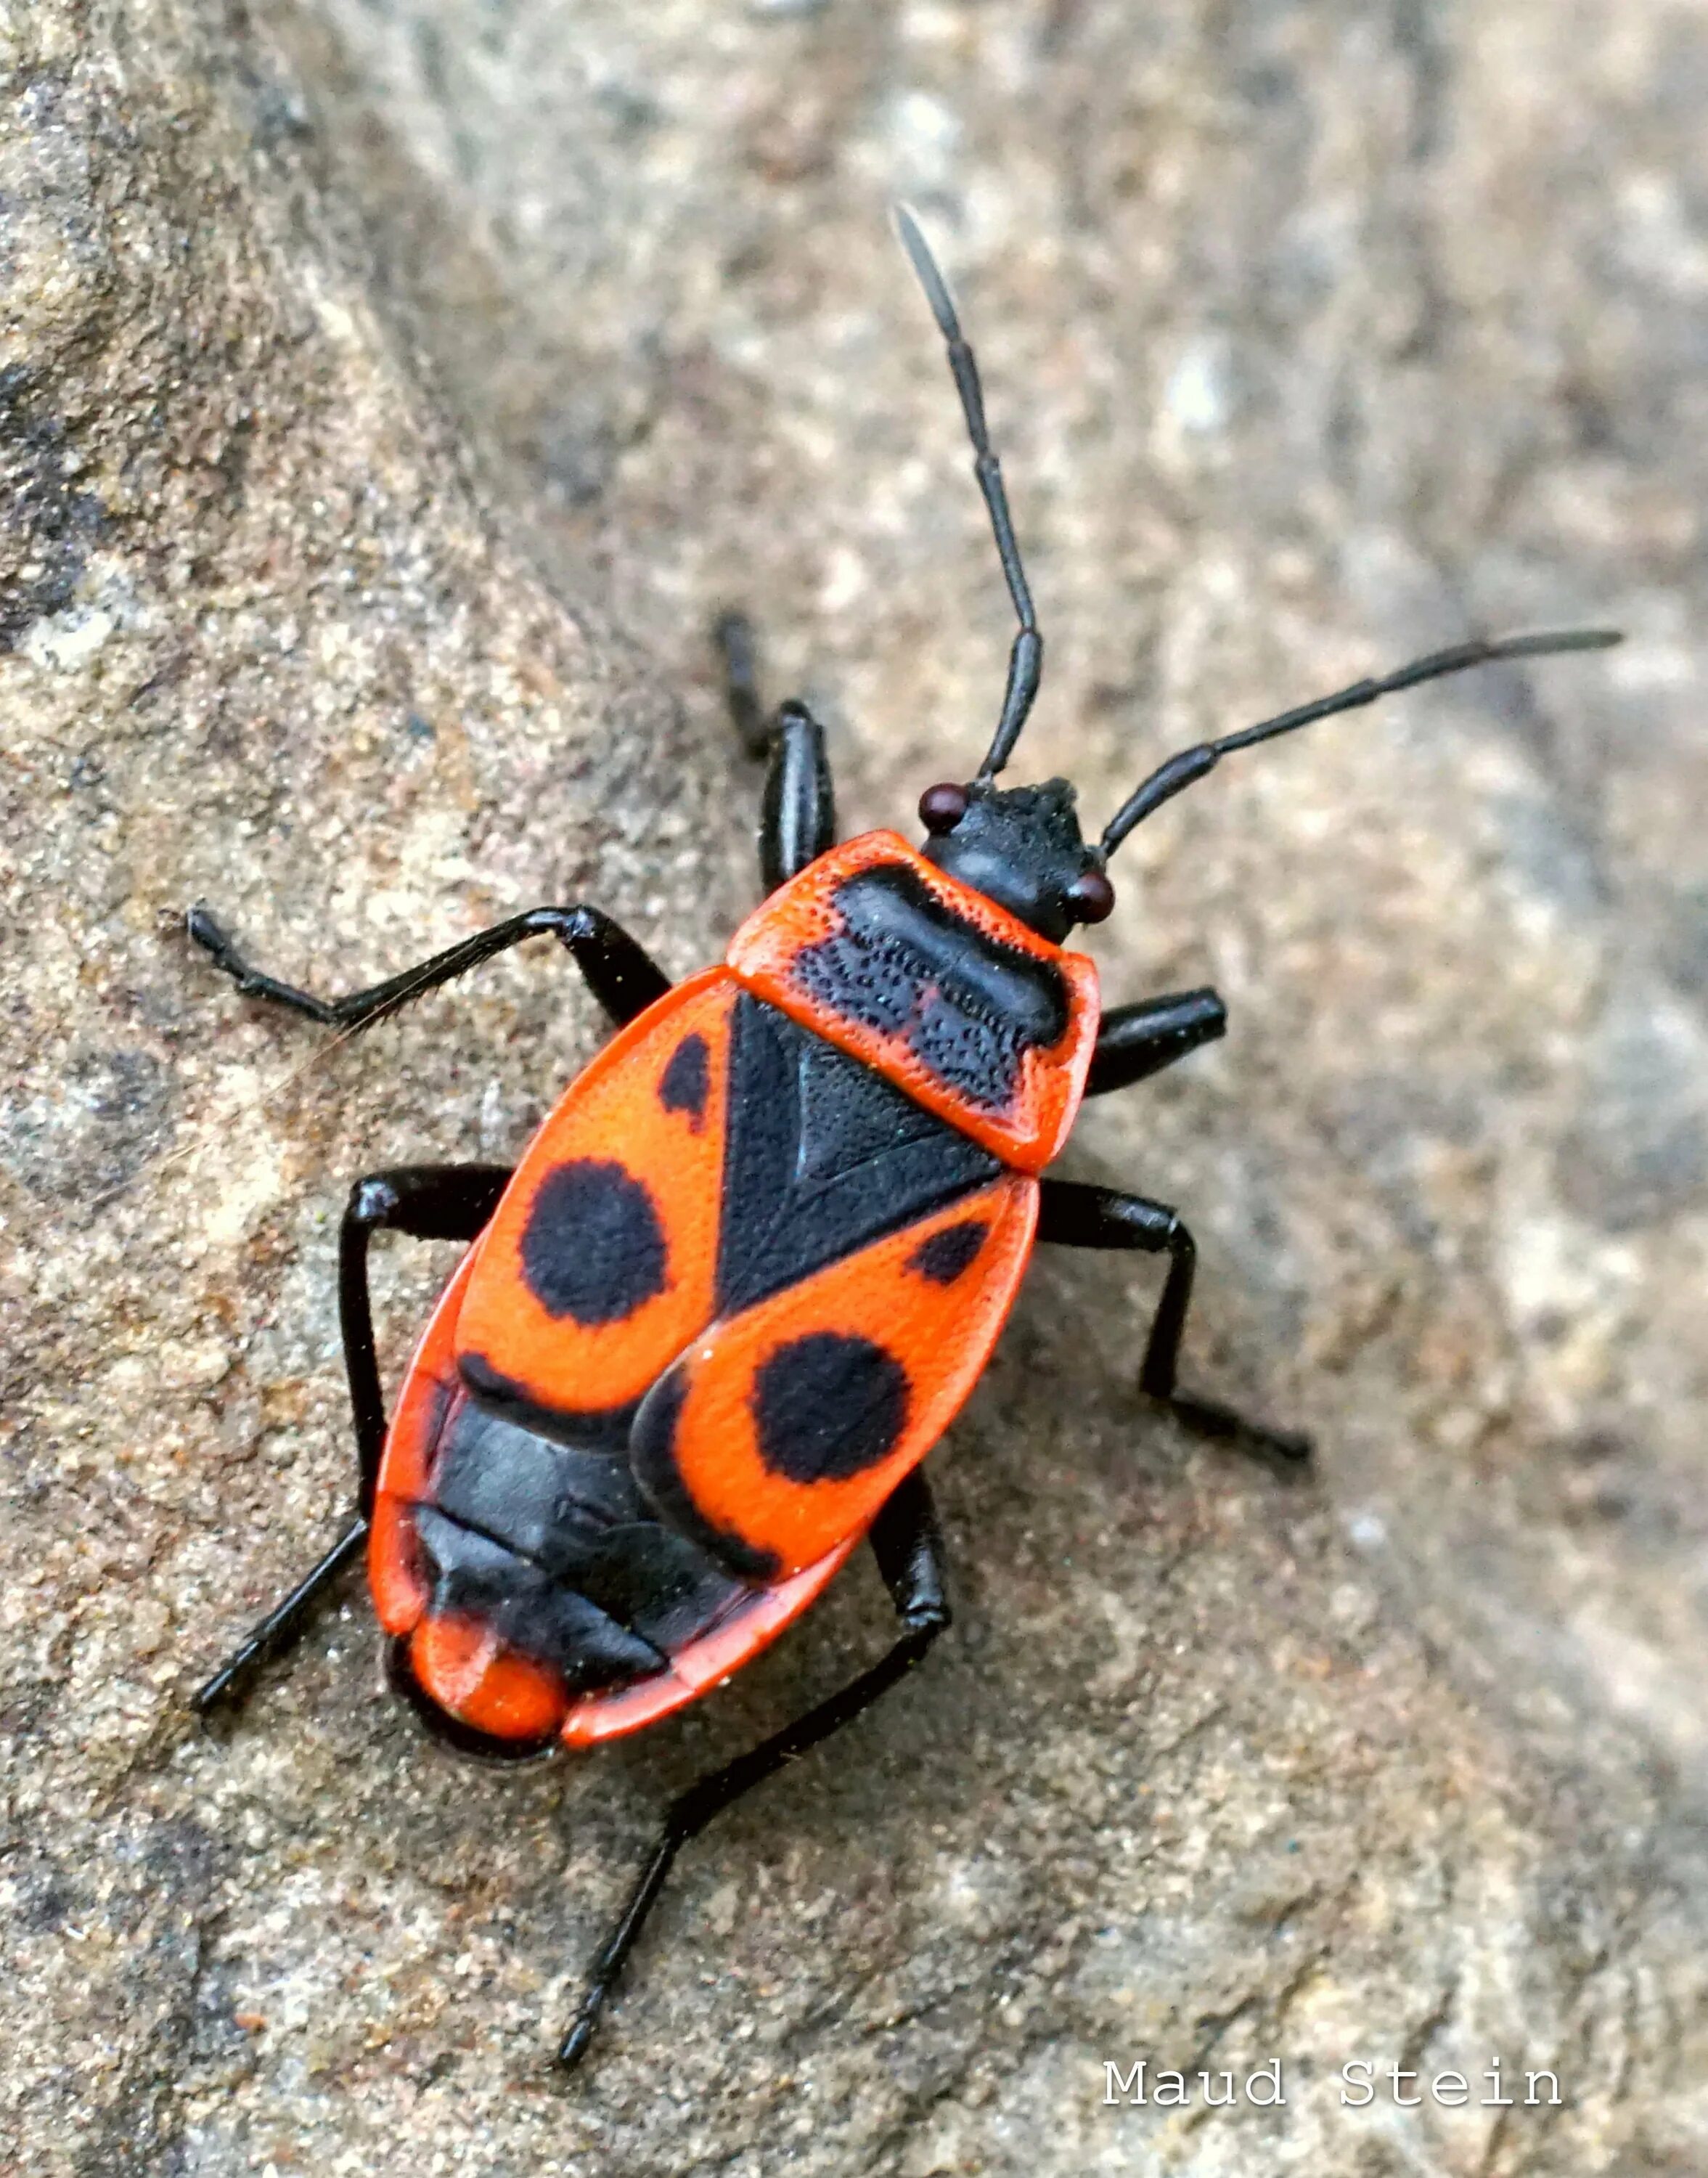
x,y
1025,658
1189,764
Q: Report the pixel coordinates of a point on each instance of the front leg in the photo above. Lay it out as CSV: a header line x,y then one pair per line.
x,y
1136,1041
797,818
1077,1216
619,971
431,1202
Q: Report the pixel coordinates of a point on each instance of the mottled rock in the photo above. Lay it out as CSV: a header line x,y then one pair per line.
x,y
389,395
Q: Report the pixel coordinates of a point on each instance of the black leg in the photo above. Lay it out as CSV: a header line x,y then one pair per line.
x,y
621,975
1136,1041
909,1550
733,633
798,818
431,1202
1077,1216
798,815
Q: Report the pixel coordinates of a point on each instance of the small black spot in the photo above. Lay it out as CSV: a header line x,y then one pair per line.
x,y
685,1082
828,1406
946,1254
593,1249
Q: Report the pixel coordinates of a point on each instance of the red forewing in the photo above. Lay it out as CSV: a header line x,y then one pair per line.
x,y
781,1430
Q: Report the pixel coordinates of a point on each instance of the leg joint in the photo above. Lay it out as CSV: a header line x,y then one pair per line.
x,y
573,925
925,1620
373,1199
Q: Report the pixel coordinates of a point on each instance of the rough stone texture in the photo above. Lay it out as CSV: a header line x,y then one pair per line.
x,y
1311,335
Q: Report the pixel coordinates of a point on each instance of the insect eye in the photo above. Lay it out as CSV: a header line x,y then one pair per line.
x,y
1090,897
941,808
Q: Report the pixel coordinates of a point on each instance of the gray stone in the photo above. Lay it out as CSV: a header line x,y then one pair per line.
x,y
390,394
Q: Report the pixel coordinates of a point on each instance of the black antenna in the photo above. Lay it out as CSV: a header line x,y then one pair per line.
x,y
1026,659
1181,770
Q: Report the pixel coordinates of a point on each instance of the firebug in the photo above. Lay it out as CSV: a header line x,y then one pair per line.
x,y
746,1272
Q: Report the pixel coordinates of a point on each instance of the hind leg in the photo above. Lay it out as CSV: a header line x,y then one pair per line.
x,y
909,1550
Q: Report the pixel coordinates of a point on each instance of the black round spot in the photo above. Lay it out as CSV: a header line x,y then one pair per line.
x,y
593,1249
828,1406
685,1082
945,1254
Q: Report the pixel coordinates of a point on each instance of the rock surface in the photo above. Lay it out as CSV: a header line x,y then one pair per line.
x,y
388,399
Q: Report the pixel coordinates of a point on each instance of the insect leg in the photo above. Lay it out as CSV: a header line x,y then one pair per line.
x,y
1136,1041
431,1202
797,818
619,971
909,1551
733,633
1077,1216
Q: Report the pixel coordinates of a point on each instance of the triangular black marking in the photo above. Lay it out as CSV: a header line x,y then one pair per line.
x,y
822,1155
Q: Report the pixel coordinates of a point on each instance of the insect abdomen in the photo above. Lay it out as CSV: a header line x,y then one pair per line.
x,y
544,1577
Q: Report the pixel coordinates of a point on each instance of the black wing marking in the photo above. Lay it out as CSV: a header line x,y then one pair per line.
x,y
822,1155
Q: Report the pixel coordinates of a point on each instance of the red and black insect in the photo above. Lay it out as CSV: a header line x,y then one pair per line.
x,y
746,1272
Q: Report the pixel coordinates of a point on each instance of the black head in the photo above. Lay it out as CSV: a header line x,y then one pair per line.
x,y
1020,845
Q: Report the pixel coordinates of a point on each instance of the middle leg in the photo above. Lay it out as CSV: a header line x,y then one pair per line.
x,y
1077,1216
431,1202
617,969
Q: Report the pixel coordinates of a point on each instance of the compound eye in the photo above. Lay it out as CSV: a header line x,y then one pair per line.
x,y
1091,897
941,808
